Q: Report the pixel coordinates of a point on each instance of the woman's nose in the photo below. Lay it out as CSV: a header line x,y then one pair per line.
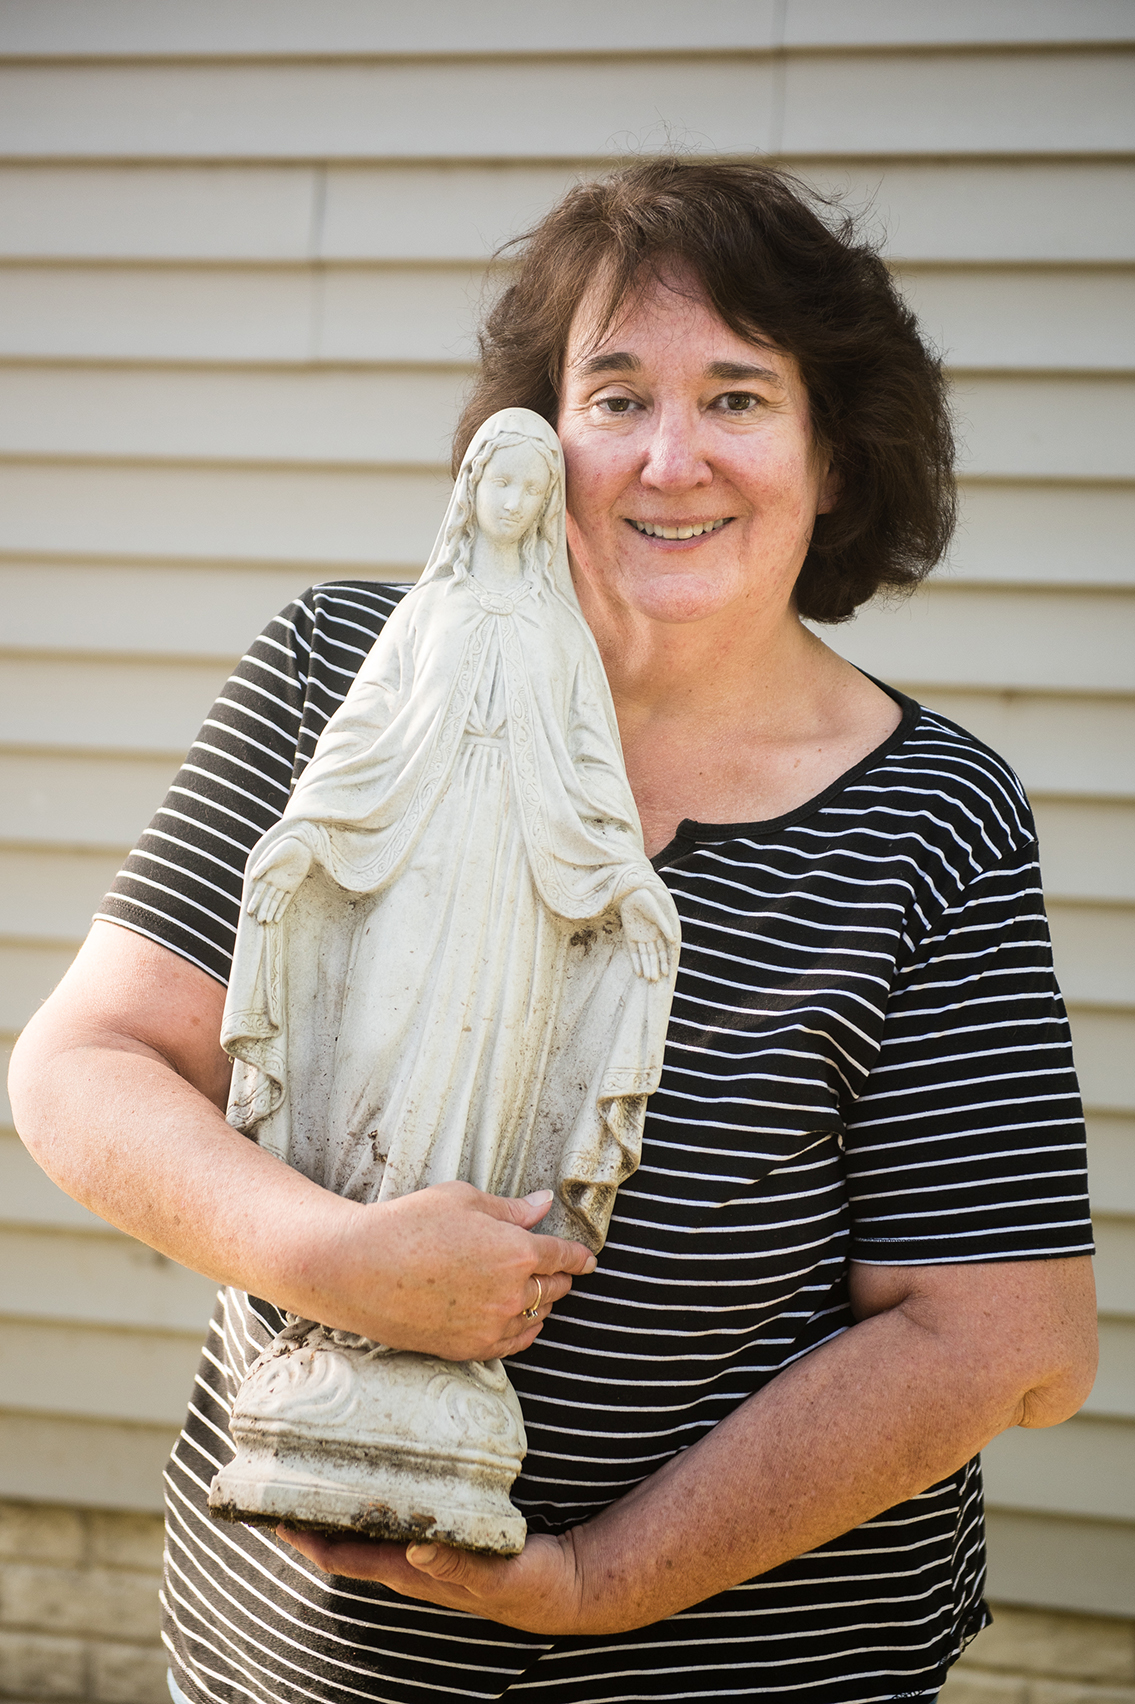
x,y
675,456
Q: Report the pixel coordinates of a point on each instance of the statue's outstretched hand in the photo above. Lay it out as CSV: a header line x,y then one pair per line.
x,y
647,929
277,878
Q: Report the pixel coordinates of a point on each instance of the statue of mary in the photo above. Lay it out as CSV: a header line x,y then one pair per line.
x,y
455,960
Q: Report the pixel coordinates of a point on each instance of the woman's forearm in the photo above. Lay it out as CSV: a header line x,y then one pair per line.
x,y
891,1407
123,1133
118,1085
872,1418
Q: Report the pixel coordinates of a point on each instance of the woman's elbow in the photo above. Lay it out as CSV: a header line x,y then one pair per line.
x,y
31,1082
1072,1356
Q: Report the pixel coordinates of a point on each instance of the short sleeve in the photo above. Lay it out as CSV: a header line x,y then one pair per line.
x,y
181,885
967,1142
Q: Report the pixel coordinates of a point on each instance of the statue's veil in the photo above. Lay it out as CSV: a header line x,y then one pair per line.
x,y
544,550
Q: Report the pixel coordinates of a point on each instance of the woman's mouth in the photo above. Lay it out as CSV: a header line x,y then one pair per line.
x,y
691,529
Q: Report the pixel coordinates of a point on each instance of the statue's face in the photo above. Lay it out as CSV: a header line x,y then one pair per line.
x,y
511,492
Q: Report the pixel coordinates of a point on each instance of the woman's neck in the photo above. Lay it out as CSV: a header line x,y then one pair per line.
x,y
735,665
742,717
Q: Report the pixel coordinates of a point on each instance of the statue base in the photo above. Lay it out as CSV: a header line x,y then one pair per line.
x,y
340,1435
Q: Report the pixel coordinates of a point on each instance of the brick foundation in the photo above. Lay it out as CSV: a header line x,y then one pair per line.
x,y
79,1606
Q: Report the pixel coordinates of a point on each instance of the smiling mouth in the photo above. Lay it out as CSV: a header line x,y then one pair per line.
x,y
698,530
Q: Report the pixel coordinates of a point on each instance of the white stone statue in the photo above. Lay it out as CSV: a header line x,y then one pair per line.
x,y
454,962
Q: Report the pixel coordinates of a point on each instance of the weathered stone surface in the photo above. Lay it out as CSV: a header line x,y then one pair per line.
x,y
335,1435
388,1033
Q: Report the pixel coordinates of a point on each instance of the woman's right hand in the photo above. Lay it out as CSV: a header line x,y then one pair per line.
x,y
450,1271
277,877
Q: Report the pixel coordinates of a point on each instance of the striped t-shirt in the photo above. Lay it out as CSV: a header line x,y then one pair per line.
x,y
868,1059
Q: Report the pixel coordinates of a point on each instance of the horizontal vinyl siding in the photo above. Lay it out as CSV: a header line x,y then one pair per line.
x,y
985,213
237,303
573,106
213,28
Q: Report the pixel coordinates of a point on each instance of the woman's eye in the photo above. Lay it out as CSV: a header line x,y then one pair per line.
x,y
738,402
616,404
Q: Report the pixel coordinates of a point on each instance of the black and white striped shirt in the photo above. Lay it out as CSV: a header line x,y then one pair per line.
x,y
868,1058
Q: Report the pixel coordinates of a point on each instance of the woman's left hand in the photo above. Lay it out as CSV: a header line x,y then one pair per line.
x,y
541,1590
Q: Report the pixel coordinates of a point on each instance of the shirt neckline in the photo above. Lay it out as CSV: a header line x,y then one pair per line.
x,y
690,832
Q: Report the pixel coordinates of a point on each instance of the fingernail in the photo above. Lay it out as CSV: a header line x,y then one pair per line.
x,y
591,1264
421,1555
538,1197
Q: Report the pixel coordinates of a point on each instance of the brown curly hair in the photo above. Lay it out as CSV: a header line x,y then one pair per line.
x,y
781,265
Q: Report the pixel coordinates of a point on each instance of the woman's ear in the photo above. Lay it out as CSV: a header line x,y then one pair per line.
x,y
831,485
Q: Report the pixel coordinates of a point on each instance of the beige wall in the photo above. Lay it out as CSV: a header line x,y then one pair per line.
x,y
239,270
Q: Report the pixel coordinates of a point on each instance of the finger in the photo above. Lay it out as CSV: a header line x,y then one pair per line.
x,y
263,902
516,1345
359,1558
556,1257
455,1567
523,1210
550,1287
553,1287
555,1254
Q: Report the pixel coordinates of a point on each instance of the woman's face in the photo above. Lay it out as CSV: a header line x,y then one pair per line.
x,y
511,492
692,480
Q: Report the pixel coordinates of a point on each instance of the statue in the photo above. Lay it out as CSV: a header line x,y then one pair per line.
x,y
454,961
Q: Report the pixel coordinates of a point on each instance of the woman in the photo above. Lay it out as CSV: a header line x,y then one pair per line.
x,y
853,1250
472,775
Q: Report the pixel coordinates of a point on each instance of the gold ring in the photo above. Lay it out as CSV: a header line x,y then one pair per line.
x,y
534,1312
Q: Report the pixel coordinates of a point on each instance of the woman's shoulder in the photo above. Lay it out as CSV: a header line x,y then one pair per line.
x,y
333,626
353,611
962,790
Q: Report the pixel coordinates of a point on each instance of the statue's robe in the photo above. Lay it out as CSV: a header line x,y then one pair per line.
x,y
449,993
